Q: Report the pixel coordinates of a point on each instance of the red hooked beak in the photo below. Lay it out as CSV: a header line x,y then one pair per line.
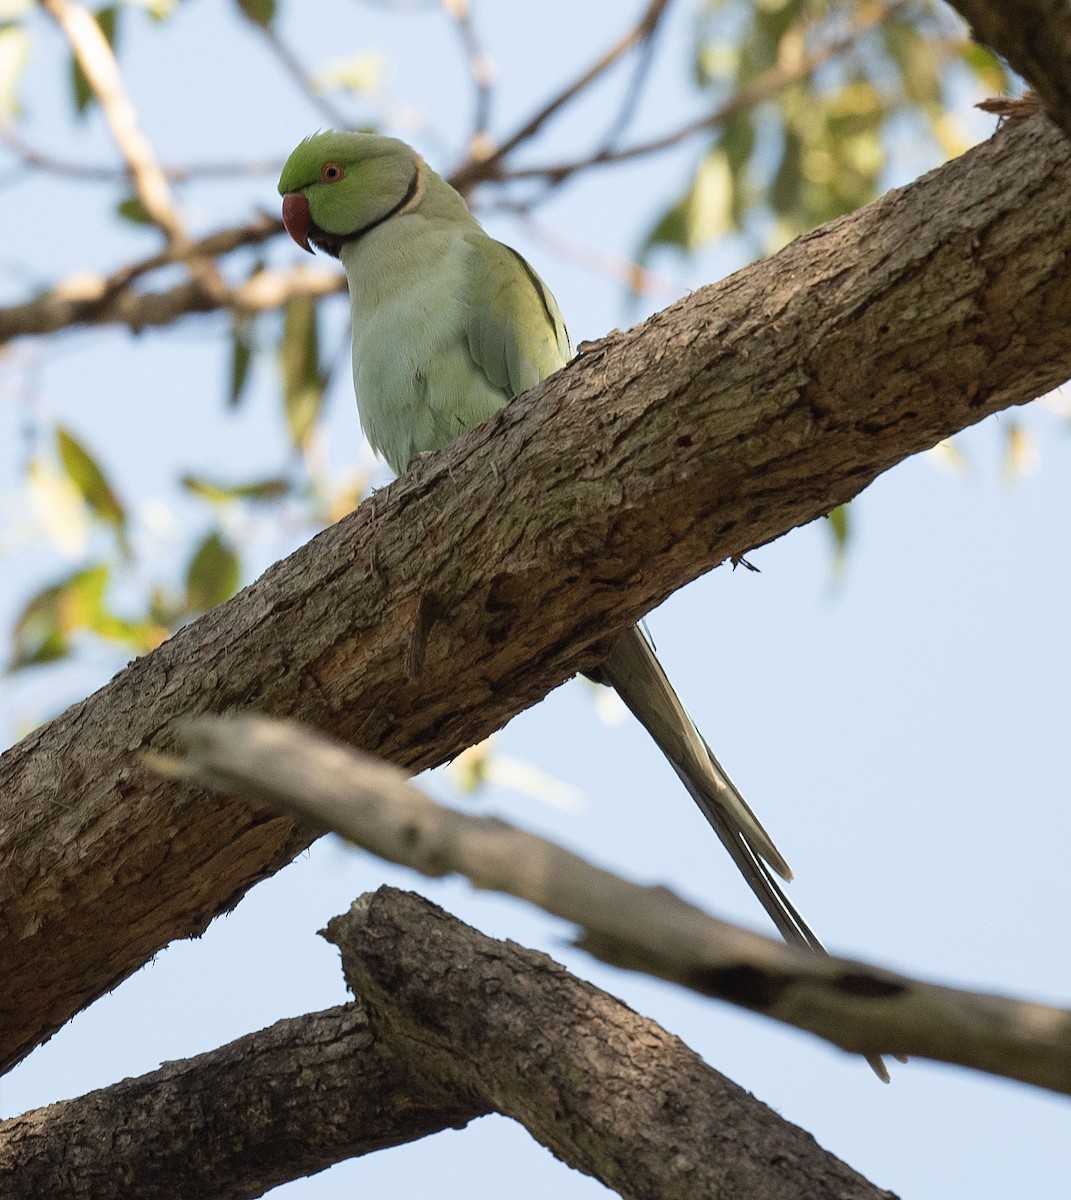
x,y
297,219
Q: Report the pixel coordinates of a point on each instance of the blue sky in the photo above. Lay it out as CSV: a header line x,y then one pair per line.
x,y
900,727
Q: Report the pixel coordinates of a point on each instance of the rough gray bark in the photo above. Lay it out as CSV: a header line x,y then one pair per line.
x,y
271,1107
463,593
607,1091
854,1005
452,1024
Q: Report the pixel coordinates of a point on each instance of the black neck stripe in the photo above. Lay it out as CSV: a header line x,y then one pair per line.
x,y
404,202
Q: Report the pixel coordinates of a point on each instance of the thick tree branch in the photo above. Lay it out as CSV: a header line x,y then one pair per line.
x,y
1035,37
328,786
609,1092
463,593
457,1025
271,1107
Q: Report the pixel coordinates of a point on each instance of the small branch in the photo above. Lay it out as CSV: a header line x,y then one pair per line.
x,y
320,782
481,72
288,60
33,157
634,89
770,84
476,169
88,299
271,1107
95,57
38,160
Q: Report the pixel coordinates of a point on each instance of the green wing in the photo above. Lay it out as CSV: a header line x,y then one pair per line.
x,y
516,334
499,332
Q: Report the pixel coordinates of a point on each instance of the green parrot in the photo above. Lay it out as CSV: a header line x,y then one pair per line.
x,y
448,326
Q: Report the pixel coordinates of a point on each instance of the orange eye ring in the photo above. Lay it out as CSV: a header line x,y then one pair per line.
x,y
332,172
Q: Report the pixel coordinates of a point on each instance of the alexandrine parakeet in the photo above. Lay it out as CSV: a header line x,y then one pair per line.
x,y
448,326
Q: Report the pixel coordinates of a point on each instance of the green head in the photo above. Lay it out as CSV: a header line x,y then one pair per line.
x,y
336,187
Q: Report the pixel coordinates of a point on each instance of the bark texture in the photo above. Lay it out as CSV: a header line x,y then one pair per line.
x,y
1035,37
466,591
854,1005
604,1089
271,1107
456,1025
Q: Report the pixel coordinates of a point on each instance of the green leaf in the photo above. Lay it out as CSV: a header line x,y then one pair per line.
x,y
14,50
839,524
260,490
38,636
86,475
299,358
987,69
43,630
241,358
213,574
131,209
260,12
703,213
107,19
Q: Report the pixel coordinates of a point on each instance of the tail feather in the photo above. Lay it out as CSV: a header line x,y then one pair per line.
x,y
757,874
634,671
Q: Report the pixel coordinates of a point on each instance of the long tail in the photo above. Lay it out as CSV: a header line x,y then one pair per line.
x,y
634,671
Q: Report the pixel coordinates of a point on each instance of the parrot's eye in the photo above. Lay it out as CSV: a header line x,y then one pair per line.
x,y
331,172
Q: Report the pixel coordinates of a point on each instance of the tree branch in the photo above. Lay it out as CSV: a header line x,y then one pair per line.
x,y
1035,37
456,1025
768,85
609,1092
98,63
746,409
87,299
479,167
285,1102
322,783
95,57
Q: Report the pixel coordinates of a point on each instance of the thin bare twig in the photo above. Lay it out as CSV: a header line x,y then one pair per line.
x,y
37,159
635,86
481,71
474,169
94,55
615,267
288,60
766,87
30,156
